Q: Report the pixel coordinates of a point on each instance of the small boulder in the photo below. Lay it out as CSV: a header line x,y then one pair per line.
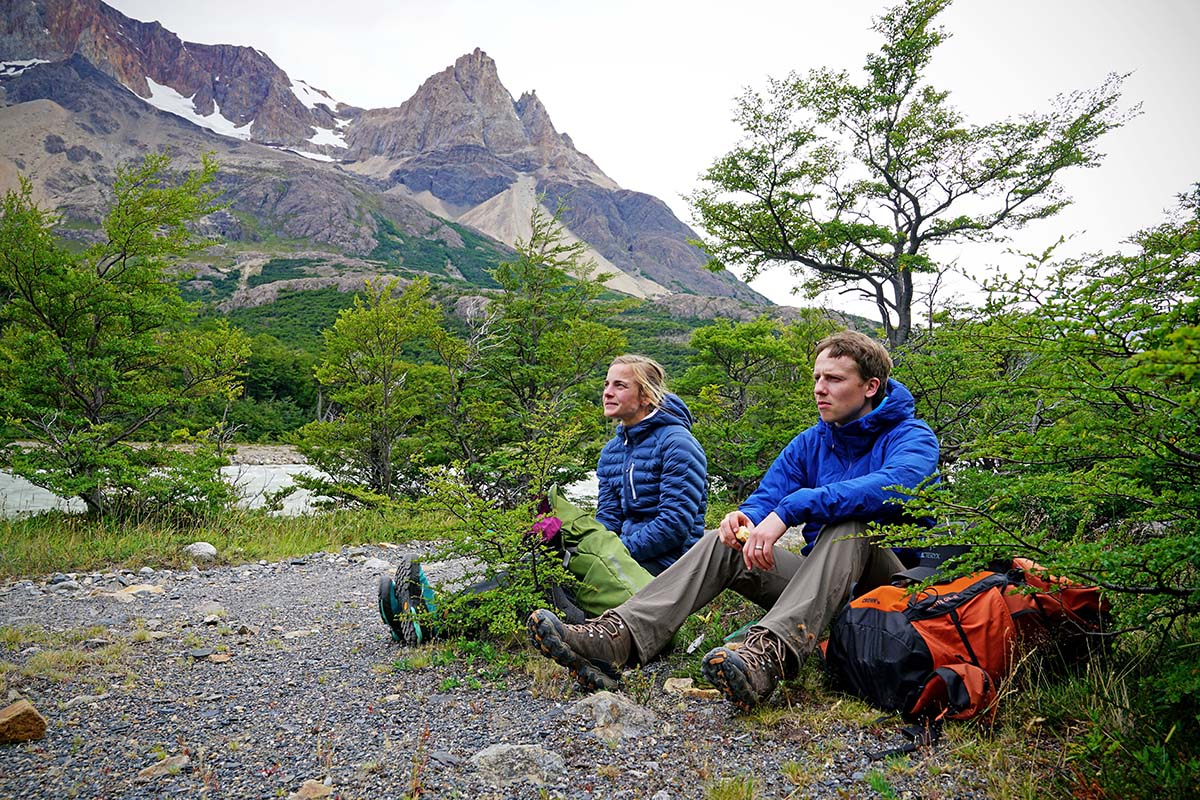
x,y
21,722
170,765
201,551
614,717
684,688
506,764
310,789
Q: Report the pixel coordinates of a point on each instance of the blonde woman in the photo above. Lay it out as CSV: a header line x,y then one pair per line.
x,y
653,474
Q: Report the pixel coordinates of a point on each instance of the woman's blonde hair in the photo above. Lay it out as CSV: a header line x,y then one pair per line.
x,y
648,375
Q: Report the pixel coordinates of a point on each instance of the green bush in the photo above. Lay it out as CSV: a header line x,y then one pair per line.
x,y
495,543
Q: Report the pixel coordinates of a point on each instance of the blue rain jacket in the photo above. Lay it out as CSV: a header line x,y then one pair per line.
x,y
654,486
830,474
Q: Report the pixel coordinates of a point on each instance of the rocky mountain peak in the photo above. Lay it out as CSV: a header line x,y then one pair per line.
x,y
234,87
476,74
538,127
467,106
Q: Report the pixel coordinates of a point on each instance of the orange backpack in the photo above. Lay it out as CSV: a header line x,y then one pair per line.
x,y
942,651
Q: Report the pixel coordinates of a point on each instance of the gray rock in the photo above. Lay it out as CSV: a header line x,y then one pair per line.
x,y
84,699
614,716
201,551
209,607
377,565
505,764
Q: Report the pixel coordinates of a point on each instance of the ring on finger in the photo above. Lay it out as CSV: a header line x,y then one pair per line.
x,y
758,547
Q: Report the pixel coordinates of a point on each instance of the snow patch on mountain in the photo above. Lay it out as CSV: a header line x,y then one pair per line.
x,y
164,98
11,69
308,155
329,137
311,97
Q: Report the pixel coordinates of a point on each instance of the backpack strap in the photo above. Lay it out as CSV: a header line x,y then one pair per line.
x,y
923,734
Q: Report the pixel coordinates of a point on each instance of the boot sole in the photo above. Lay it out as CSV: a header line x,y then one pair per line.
x,y
725,670
593,675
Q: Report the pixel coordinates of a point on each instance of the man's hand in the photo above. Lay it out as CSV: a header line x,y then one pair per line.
x,y
728,529
759,550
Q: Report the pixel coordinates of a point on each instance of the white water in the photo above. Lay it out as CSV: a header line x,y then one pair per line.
x,y
255,484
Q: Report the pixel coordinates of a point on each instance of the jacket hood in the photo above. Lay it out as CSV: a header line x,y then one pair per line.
x,y
898,405
673,411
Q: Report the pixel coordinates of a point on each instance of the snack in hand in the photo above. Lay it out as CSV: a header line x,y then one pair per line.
x,y
743,533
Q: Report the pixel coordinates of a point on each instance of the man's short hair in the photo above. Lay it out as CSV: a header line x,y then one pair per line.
x,y
871,357
648,374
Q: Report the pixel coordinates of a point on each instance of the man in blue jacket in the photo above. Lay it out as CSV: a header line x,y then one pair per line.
x,y
834,479
652,474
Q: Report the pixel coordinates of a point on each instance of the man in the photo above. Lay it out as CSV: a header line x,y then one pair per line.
x,y
834,478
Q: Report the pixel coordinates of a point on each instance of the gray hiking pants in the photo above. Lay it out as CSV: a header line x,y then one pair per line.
x,y
801,594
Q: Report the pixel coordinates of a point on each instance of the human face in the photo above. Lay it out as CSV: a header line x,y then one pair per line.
x,y
623,400
841,393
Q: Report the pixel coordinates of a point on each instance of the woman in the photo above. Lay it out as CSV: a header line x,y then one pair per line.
x,y
653,478
653,474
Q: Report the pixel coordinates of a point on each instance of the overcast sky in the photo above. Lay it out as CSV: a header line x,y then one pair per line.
x,y
646,88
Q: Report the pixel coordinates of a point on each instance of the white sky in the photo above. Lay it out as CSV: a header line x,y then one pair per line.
x,y
646,88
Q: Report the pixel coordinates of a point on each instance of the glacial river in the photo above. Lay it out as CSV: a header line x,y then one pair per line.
x,y
255,483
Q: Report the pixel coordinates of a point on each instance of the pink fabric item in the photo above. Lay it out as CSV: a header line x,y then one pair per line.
x,y
548,528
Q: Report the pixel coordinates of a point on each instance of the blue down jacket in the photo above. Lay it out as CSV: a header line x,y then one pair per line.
x,y
654,486
830,473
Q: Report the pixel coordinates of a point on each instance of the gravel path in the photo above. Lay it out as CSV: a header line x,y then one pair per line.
x,y
299,697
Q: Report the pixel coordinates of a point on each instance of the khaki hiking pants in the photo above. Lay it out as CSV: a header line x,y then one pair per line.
x,y
801,594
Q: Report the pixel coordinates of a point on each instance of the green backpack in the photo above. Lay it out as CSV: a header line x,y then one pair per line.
x,y
597,557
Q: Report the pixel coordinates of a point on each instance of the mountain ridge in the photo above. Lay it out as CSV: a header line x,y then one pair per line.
x,y
460,148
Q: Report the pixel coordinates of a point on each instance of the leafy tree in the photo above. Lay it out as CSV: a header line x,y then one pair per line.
x,y
523,376
971,383
96,345
276,371
852,185
1071,408
281,392
1097,473
367,439
750,390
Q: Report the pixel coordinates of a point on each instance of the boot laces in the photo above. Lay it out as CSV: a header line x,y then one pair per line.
x,y
607,624
765,648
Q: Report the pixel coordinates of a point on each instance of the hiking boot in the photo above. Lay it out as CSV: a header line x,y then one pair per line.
x,y
423,598
594,651
747,673
396,607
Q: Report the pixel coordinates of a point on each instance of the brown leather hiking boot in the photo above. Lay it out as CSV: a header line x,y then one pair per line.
x,y
747,673
594,651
